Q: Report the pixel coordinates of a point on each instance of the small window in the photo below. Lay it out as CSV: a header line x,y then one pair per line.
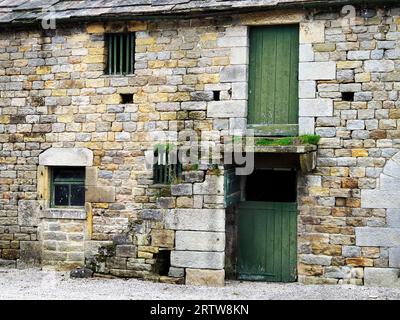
x,y
121,53
167,168
68,187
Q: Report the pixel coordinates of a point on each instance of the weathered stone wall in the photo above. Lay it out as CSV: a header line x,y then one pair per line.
x,y
54,94
344,230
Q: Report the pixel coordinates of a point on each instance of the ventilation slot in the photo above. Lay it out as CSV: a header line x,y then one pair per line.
x,y
217,95
126,98
348,96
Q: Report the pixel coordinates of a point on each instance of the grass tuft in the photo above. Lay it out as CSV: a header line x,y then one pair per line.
x,y
289,141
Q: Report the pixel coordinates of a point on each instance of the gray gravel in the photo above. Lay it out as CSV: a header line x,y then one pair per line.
x,y
36,284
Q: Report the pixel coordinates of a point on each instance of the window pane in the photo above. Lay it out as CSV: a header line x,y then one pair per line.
x,y
77,195
61,195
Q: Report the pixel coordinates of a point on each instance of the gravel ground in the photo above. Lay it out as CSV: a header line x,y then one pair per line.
x,y
36,284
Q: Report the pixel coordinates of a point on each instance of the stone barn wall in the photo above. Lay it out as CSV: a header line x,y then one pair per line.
x,y
347,234
54,94
55,98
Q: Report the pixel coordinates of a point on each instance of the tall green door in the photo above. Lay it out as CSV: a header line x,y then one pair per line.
x,y
273,80
267,241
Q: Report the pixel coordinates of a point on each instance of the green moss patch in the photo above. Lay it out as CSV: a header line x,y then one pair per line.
x,y
288,141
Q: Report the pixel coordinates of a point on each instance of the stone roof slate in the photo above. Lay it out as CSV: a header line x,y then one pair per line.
x,y
31,11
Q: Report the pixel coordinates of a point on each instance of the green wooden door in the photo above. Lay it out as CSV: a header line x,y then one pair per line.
x,y
273,80
267,241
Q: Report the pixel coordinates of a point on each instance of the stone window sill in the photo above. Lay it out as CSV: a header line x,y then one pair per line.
x,y
68,213
115,76
162,186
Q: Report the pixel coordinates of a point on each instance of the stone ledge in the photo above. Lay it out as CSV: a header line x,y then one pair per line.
x,y
73,214
285,149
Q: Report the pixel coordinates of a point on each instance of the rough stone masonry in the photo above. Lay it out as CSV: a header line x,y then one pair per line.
x,y
57,107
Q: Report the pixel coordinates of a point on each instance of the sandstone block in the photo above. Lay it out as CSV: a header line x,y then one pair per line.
x,y
181,190
125,251
176,272
312,32
317,70
379,66
351,251
151,214
315,107
213,185
227,109
382,277
235,73
162,238
306,53
377,237
196,219
166,202
239,56
200,241
76,157
28,213
316,259
385,199
306,125
394,257
393,217
198,259
100,194
199,277
307,89
192,105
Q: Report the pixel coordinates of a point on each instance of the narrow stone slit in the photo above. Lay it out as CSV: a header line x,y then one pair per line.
x,y
217,95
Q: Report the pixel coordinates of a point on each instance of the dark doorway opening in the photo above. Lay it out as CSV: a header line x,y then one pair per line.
x,y
272,186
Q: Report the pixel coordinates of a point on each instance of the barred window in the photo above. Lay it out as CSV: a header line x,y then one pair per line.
x,y
167,168
121,53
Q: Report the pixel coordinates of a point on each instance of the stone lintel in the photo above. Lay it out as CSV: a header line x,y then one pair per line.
x,y
66,157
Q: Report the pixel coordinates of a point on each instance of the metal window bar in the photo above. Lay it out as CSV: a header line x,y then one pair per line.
x,y
163,171
121,53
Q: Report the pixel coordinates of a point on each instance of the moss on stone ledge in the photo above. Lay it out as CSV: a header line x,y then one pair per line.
x,y
289,141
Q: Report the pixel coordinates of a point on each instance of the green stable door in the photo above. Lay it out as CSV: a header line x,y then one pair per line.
x,y
273,80
267,241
